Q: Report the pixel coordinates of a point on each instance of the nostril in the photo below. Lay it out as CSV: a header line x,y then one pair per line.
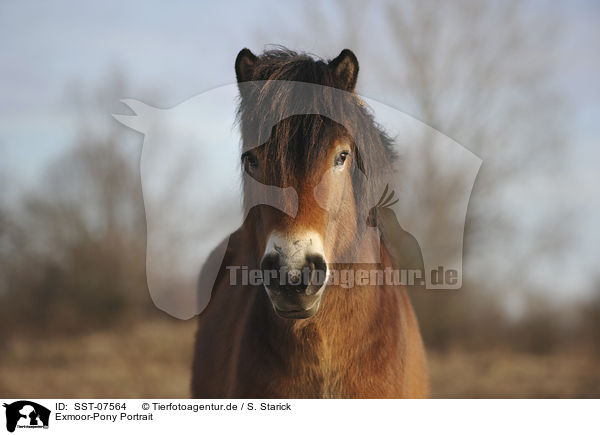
x,y
270,262
316,262
270,271
318,267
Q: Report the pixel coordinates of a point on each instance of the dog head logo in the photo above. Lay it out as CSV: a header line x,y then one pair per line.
x,y
26,414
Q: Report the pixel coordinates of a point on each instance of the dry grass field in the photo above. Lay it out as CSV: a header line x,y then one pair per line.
x,y
149,360
153,360
501,374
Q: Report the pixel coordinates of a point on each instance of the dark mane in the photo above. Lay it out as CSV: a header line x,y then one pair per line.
x,y
284,64
292,143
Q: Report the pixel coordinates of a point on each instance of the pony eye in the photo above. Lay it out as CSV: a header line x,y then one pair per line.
x,y
250,161
340,159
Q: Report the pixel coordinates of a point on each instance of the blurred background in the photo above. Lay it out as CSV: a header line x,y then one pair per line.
x,y
514,82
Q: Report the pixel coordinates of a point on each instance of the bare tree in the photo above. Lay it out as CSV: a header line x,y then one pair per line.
x,y
73,250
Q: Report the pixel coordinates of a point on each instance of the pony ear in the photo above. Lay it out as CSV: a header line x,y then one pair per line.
x,y
345,70
244,65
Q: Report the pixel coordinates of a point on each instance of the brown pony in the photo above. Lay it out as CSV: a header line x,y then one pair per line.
x,y
291,337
